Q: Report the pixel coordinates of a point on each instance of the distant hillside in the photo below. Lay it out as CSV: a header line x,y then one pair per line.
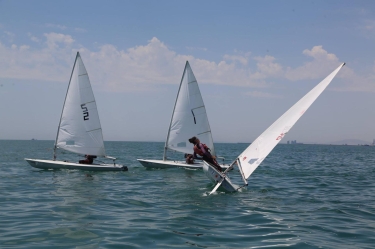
x,y
351,142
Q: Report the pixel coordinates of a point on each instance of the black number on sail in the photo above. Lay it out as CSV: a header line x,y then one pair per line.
x,y
195,121
85,112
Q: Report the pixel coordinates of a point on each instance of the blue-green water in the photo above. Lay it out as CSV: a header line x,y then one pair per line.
x,y
302,196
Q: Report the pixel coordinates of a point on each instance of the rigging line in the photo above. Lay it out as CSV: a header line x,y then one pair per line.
x,y
62,111
174,108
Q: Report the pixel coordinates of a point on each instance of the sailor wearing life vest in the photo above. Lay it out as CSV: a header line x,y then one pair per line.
x,y
203,151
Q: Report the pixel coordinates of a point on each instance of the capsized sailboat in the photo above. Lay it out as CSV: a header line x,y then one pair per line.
x,y
254,155
79,130
189,118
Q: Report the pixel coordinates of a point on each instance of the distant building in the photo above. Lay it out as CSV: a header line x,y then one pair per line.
x,y
295,142
373,142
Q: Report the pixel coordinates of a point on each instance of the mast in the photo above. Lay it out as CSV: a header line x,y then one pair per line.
x,y
58,128
170,124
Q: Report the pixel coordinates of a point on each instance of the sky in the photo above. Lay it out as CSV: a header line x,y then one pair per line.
x,y
252,59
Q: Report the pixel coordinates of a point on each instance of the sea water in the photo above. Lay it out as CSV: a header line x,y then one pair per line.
x,y
302,196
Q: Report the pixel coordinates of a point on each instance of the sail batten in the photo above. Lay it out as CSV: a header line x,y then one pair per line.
x,y
189,117
204,132
94,130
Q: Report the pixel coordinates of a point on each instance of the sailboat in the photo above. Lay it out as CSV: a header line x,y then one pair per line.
x,y
254,155
189,118
79,129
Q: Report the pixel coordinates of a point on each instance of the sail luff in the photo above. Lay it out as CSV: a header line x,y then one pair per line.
x,y
253,155
62,111
174,108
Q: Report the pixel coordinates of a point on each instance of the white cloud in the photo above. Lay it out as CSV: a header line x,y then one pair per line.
x,y
353,82
48,63
368,28
24,47
321,65
146,66
369,25
242,59
51,25
54,39
258,94
267,67
155,63
10,36
80,30
197,48
33,38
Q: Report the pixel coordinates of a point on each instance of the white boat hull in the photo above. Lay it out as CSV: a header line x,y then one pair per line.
x,y
216,176
50,164
161,164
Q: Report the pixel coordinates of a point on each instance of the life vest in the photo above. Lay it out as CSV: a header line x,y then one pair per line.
x,y
200,151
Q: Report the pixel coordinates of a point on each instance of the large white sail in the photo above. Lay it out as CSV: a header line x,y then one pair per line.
x,y
189,117
79,129
263,145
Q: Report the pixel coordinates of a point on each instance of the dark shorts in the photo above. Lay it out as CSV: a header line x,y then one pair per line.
x,y
211,161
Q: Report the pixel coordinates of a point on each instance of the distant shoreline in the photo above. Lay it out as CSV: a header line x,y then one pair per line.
x,y
245,143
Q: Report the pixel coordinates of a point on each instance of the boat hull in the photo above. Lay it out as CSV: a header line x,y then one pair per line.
x,y
50,164
216,176
161,164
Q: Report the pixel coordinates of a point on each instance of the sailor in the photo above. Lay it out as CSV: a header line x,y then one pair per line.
x,y
203,151
189,158
89,159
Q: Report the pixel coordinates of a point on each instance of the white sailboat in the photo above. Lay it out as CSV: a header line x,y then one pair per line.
x,y
79,130
189,118
253,155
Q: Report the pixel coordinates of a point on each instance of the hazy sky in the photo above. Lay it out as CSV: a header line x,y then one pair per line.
x,y
252,59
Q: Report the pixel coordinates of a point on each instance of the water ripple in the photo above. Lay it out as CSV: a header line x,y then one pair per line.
x,y
302,196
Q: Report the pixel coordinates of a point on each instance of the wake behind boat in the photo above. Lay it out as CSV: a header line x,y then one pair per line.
x,y
79,130
189,118
254,155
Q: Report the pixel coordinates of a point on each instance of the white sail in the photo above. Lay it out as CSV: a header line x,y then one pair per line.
x,y
79,129
251,158
189,117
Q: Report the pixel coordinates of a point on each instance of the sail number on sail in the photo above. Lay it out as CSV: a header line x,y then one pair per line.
x,y
85,112
280,136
